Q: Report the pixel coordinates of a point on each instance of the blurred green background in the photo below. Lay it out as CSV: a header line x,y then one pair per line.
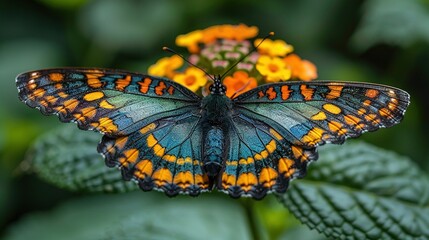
x,y
380,41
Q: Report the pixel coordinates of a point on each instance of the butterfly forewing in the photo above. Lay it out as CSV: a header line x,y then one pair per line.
x,y
111,101
313,113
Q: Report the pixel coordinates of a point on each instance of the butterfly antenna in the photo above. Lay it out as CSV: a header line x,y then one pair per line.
x,y
186,60
245,56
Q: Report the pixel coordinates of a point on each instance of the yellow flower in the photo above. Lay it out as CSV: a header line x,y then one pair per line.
x,y
165,67
193,78
190,40
276,48
273,69
239,83
301,69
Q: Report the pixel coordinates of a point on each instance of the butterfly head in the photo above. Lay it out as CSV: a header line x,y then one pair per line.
x,y
217,88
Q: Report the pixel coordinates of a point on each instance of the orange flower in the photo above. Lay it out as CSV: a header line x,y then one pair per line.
x,y
238,83
301,69
273,69
226,31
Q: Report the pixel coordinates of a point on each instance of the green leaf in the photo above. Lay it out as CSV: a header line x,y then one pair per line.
x,y
137,215
68,158
362,192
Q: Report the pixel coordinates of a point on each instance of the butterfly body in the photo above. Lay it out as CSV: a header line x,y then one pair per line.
x,y
165,137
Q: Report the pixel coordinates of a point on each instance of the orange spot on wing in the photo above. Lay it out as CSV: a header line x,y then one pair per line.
x,y
31,85
261,94
62,95
169,158
170,90
105,125
56,77
353,121
337,127
386,113
130,157
370,117
143,169
183,179
268,177
306,92
334,92
228,180
85,113
162,176
367,103
371,93
271,146
201,180
246,181
392,105
285,92
313,137
148,128
276,134
122,83
51,99
159,90
334,109
93,80
319,116
271,93
38,93
361,111
285,167
93,96
105,104
299,153
120,142
145,85
71,104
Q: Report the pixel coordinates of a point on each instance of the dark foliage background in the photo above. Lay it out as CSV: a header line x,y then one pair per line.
x,y
380,41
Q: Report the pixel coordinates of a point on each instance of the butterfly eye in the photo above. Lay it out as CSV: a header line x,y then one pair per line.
x,y
211,88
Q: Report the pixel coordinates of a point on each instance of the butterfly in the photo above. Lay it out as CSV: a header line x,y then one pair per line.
x,y
165,137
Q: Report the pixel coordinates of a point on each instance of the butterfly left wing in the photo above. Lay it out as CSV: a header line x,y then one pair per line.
x,y
113,102
163,155
151,125
277,127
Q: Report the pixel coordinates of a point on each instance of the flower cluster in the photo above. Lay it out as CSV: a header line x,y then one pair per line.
x,y
216,49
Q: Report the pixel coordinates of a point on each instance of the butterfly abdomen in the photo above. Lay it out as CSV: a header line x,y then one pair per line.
x,y
214,147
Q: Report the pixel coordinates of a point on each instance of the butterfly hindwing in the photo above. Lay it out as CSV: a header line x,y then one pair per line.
x,y
111,101
313,113
163,155
260,160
